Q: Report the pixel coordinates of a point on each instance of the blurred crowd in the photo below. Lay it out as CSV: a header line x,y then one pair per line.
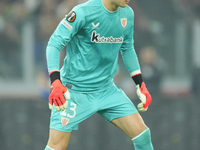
x,y
153,32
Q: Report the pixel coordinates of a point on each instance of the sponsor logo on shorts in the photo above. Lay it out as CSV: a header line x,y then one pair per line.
x,y
71,17
64,121
69,86
95,37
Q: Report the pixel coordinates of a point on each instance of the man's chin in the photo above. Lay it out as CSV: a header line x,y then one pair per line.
x,y
123,6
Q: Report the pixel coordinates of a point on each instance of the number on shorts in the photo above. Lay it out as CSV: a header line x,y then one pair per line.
x,y
73,108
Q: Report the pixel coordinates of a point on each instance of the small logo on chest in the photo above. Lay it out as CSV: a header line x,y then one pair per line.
x,y
94,26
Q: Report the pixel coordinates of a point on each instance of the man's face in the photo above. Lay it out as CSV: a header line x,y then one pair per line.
x,y
120,3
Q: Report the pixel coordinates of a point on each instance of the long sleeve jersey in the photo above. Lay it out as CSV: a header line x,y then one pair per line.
x,y
94,36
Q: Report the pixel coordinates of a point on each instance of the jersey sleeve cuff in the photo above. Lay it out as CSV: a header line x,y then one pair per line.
x,y
54,75
134,73
137,77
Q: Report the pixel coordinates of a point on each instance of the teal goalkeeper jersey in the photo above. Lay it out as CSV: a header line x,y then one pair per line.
x,y
94,36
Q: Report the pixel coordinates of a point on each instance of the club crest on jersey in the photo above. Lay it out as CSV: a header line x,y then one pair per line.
x,y
71,17
123,22
64,121
95,37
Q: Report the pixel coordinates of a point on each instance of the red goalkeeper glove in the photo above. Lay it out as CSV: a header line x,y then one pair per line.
x,y
144,96
56,96
142,92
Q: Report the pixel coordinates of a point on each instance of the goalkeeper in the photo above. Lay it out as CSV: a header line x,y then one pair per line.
x,y
94,33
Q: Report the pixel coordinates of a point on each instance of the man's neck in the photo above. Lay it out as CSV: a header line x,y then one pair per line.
x,y
109,5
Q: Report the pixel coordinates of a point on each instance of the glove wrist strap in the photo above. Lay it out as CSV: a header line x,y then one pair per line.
x,y
54,76
137,79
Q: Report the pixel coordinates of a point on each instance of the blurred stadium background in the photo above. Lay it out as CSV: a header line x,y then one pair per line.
x,y
167,41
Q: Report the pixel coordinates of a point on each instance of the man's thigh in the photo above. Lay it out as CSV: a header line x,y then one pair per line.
x,y
118,109
58,139
132,124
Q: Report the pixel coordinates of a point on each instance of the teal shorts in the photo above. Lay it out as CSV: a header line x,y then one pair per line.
x,y
110,104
